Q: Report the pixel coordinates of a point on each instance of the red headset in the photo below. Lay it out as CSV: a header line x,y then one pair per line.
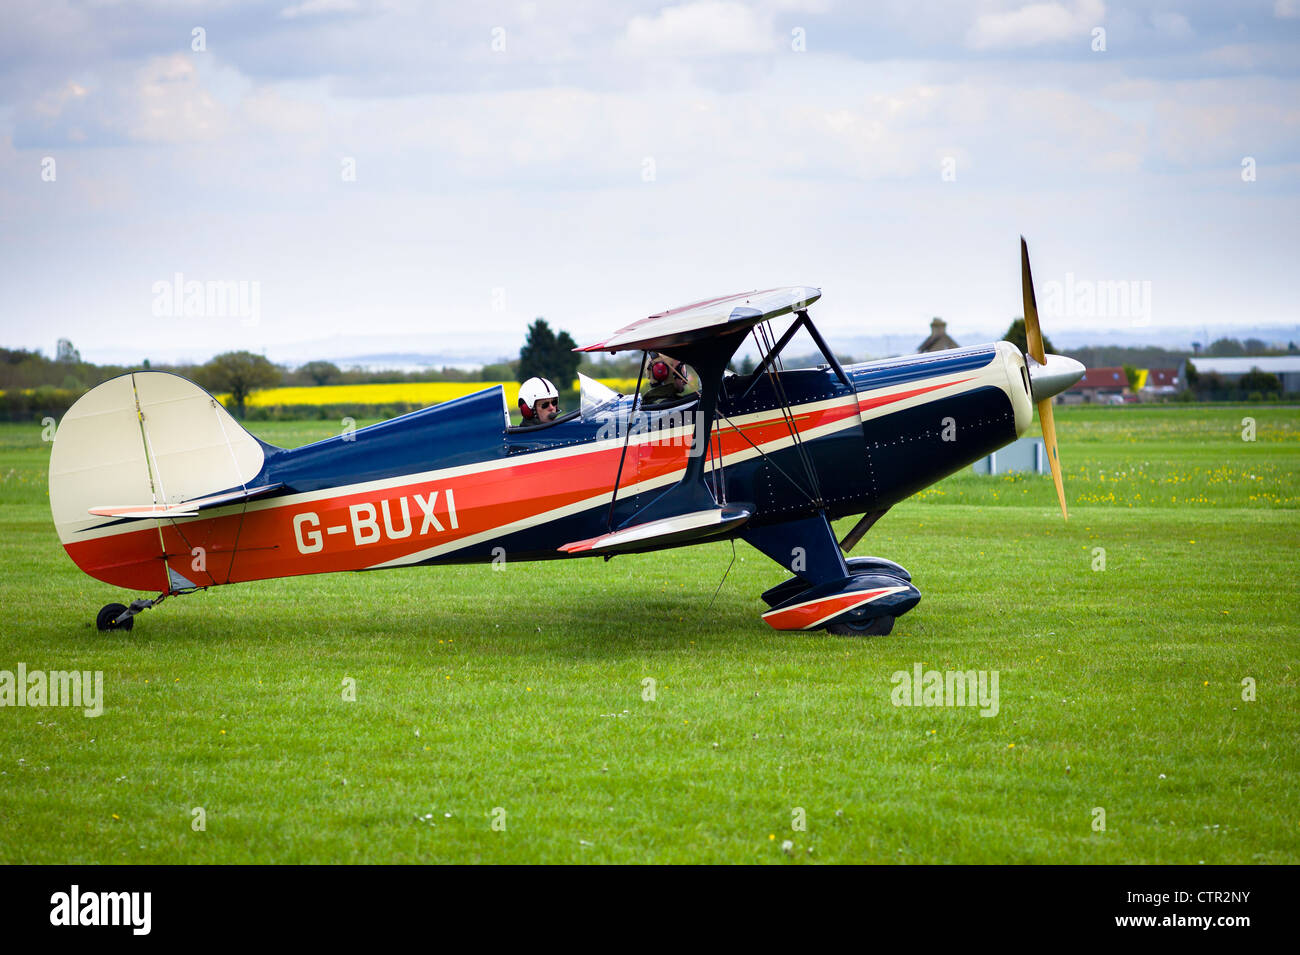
x,y
660,371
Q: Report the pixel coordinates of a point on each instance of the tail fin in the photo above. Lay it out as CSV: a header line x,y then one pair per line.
x,y
145,439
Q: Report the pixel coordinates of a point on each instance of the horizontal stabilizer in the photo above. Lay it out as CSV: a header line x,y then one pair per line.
x,y
183,509
665,532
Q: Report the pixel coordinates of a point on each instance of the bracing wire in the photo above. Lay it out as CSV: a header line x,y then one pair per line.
x,y
724,576
627,436
787,415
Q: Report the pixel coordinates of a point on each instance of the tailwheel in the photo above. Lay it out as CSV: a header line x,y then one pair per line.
x,y
118,617
107,619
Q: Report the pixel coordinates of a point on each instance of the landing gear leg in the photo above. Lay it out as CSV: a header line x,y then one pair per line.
x,y
119,617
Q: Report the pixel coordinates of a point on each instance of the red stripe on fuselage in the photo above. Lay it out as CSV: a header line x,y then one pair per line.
x,y
869,402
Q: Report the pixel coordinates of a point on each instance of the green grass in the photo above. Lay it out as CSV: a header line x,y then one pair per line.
x,y
1119,689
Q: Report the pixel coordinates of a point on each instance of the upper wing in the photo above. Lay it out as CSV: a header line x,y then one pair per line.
x,y
707,319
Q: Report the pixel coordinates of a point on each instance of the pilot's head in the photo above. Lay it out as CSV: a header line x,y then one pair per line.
x,y
664,369
539,401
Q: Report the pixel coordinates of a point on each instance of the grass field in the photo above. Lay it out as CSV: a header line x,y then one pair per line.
x,y
1120,689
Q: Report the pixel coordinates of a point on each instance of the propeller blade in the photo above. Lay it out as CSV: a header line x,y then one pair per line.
x,y
1049,443
1034,343
1033,334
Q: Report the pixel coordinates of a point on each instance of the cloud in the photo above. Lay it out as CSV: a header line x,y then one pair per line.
x,y
1035,24
1172,25
162,100
524,168
310,8
699,29
1201,124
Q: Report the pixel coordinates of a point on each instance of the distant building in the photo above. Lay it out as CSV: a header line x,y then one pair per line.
x,y
1286,367
1098,386
939,338
1158,383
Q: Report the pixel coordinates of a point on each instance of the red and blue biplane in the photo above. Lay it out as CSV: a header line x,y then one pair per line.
x,y
155,487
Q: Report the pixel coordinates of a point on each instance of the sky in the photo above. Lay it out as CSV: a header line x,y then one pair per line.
x,y
308,179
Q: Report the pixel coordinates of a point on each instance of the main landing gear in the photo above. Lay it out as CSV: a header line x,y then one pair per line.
x,y
858,597
868,627
865,603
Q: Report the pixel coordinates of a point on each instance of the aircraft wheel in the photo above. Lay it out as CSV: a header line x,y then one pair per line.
x,y
110,612
874,627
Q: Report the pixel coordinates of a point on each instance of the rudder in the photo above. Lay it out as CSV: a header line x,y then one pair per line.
x,y
142,438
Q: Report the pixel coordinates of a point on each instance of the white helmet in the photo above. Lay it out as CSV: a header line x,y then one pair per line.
x,y
532,391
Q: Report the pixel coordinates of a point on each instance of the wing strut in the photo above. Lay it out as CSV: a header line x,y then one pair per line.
x,y
773,353
787,415
627,436
709,358
704,336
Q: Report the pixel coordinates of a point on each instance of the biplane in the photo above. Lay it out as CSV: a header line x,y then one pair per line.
x,y
154,487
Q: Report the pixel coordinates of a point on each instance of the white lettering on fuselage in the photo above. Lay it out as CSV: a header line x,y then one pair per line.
x,y
373,522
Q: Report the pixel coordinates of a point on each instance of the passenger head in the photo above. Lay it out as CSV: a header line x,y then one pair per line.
x,y
668,370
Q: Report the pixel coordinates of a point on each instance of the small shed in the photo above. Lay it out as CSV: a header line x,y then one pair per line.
x,y
1023,454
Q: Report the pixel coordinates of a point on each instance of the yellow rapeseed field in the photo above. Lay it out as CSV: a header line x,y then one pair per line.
x,y
409,392
413,392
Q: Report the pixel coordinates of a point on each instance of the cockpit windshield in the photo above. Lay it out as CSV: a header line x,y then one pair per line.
x,y
596,400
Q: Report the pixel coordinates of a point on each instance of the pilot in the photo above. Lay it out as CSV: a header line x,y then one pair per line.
x,y
670,380
539,402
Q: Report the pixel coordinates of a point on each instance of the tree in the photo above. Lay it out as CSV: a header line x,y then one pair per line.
x,y
1017,336
66,354
624,365
1261,381
240,373
498,371
1225,348
1210,385
536,354
548,355
566,360
320,372
1131,374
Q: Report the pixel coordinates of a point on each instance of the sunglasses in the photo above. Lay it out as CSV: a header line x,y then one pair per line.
x,y
548,403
